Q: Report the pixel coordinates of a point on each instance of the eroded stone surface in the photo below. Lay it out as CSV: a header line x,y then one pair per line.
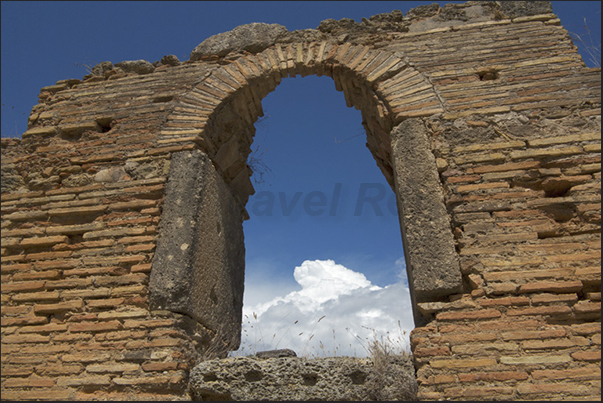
x,y
302,379
252,38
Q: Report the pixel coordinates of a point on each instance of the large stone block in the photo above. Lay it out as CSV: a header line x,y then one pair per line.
x,y
198,267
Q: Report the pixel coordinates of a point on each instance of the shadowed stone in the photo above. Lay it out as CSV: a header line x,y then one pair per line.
x,y
431,258
285,352
515,9
136,66
303,379
198,267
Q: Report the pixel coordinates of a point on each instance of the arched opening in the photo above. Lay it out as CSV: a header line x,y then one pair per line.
x,y
323,208
198,268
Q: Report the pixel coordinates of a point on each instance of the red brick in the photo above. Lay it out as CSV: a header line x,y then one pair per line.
x,y
111,270
552,286
14,310
505,167
590,372
105,368
105,303
159,366
141,268
135,204
24,321
493,376
11,370
68,306
433,351
463,363
54,395
479,391
550,298
47,255
439,379
120,335
47,328
136,239
554,343
45,349
28,383
149,381
95,327
587,307
140,248
541,310
36,296
68,283
57,264
24,338
470,315
91,380
463,338
72,337
534,334
551,389
587,356
59,369
44,241
505,301
586,328
25,286
463,178
506,325
11,268
85,357
37,275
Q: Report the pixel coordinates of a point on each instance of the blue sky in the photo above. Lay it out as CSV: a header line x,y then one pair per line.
x,y
311,145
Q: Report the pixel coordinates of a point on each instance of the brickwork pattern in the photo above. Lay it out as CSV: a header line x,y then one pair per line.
x,y
515,122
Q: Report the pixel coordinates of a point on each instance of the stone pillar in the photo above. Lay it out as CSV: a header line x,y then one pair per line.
x,y
431,259
198,267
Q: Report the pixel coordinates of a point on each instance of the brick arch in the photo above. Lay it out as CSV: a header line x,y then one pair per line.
x,y
218,113
379,83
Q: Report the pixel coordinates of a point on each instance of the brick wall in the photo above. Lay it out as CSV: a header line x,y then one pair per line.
x,y
513,117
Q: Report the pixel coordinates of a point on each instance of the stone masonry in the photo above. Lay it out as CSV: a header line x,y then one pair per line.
x,y
122,206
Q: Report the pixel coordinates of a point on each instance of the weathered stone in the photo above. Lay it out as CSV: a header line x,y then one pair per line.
x,y
112,174
136,66
276,353
513,9
205,282
494,159
302,379
101,68
432,263
170,60
252,38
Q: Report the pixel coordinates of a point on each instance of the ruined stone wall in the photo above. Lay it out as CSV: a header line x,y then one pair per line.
x,y
501,225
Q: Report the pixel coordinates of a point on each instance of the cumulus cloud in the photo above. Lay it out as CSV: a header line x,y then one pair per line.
x,y
337,312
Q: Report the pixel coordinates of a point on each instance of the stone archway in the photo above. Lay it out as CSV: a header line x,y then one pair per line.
x,y
204,267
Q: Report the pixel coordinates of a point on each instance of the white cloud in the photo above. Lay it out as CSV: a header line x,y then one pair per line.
x,y
337,312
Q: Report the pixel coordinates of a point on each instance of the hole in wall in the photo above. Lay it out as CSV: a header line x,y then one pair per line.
x,y
253,376
164,98
486,75
310,379
358,377
213,296
104,124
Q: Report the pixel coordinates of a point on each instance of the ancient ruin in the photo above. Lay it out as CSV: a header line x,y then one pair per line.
x,y
123,203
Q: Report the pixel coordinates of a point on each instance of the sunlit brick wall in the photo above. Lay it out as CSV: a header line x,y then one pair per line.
x,y
514,123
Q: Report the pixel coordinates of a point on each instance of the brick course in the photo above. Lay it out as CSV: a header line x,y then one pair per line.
x,y
519,166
